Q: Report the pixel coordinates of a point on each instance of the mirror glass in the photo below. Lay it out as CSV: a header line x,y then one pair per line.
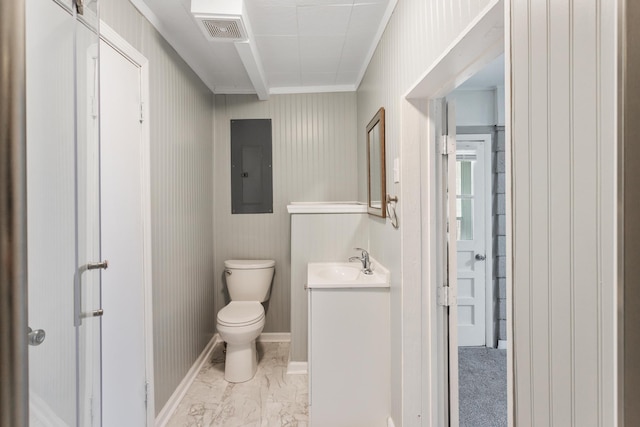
x,y
375,165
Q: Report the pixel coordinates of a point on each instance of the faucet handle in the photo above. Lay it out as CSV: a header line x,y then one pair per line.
x,y
360,249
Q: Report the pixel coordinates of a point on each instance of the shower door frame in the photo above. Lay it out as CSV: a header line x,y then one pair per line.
x,y
14,392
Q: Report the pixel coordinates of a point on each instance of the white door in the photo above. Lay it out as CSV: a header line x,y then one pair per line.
x,y
471,239
123,323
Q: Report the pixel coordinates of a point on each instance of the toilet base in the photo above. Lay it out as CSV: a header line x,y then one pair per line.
x,y
241,362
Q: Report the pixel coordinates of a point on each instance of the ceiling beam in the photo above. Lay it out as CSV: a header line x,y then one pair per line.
x,y
251,60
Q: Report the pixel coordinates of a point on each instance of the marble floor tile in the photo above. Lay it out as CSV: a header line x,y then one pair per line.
x,y
270,399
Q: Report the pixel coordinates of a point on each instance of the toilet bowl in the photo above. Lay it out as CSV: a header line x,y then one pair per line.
x,y
241,321
239,324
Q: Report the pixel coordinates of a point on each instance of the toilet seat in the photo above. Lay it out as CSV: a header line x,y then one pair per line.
x,y
241,313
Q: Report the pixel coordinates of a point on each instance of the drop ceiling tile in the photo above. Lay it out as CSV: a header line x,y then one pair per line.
x,y
365,19
284,79
250,3
319,64
318,79
323,20
354,53
326,46
323,2
279,54
273,20
346,78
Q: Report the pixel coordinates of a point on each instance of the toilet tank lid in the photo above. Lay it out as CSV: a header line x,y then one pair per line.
x,y
249,264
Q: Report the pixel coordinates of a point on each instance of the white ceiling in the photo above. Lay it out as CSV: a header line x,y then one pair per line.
x,y
294,46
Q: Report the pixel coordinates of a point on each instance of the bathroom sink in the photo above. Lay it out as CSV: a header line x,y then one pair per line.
x,y
339,272
345,275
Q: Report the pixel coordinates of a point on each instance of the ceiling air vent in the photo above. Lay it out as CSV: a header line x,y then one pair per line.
x,y
222,28
220,20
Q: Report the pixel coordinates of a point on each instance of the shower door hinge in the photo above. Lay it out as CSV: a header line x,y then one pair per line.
x,y
446,296
146,395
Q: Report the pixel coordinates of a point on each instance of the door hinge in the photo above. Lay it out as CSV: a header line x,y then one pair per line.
x,y
446,296
141,112
447,145
94,106
146,395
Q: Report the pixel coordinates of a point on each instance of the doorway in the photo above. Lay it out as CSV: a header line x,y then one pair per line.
x,y
475,203
478,46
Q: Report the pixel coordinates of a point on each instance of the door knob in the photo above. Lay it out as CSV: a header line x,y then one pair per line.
x,y
36,337
480,257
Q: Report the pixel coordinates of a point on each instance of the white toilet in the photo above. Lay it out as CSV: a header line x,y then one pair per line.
x,y
241,321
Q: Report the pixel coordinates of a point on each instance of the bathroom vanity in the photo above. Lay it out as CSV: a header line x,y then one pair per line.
x,y
349,380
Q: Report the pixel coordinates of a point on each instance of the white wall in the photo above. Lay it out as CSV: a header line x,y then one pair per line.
x,y
314,153
476,107
418,32
181,200
564,86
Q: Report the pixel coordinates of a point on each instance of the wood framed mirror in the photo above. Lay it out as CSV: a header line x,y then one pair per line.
x,y
375,166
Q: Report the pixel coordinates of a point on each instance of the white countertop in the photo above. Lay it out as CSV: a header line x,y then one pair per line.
x,y
346,275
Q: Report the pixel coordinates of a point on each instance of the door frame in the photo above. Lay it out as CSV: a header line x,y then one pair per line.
x,y
113,39
483,40
490,311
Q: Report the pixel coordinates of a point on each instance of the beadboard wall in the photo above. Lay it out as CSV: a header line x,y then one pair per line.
x,y
314,158
563,80
418,32
181,200
564,148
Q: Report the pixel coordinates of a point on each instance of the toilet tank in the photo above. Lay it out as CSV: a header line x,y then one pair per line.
x,y
249,280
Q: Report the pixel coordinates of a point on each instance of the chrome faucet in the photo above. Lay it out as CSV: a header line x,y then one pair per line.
x,y
364,259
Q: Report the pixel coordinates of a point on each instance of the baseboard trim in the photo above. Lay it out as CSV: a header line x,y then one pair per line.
x,y
502,344
172,404
297,368
275,337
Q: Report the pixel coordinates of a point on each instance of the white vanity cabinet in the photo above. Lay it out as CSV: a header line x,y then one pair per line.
x,y
349,380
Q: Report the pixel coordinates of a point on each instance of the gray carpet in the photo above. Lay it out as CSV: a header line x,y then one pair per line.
x,y
483,387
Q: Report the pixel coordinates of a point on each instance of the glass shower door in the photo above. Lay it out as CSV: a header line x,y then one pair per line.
x,y
89,263
62,213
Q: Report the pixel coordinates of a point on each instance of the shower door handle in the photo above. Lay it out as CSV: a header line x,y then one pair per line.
x,y
98,265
